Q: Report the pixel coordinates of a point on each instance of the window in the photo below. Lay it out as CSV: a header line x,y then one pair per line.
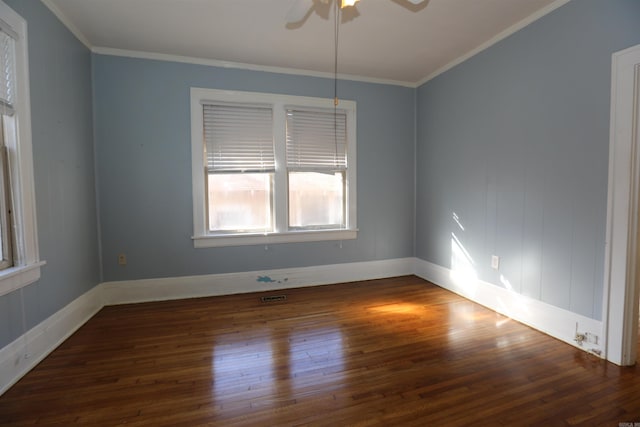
x,y
272,168
316,168
19,259
240,164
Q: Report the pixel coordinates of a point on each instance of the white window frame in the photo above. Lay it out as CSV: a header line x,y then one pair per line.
x,y
202,237
26,268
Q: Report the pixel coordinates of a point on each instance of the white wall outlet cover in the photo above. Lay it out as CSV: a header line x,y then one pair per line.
x,y
495,262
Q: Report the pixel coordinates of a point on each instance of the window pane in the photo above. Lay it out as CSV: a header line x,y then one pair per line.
x,y
238,138
6,254
240,202
7,73
316,200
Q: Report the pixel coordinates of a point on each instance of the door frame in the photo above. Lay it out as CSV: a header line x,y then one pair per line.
x,y
621,274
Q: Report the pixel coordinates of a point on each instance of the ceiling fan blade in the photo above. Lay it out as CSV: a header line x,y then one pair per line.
x,y
298,11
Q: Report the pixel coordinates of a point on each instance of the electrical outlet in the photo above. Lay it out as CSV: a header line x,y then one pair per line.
x,y
122,259
591,338
495,262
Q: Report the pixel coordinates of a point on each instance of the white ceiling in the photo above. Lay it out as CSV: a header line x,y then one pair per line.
x,y
388,40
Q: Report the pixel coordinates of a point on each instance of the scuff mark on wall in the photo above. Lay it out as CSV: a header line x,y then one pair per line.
x,y
267,279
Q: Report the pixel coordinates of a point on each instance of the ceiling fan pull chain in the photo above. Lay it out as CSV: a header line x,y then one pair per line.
x,y
336,31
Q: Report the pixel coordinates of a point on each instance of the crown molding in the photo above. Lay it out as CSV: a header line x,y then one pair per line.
x,y
244,66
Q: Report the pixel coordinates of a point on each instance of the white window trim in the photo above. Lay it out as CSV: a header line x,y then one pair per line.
x,y
27,261
202,238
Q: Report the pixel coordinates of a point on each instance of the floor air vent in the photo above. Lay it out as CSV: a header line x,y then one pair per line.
x,y
274,298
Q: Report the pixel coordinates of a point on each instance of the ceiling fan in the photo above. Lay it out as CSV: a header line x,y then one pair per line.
x,y
301,8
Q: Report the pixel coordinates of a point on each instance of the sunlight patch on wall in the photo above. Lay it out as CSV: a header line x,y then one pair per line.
x,y
463,272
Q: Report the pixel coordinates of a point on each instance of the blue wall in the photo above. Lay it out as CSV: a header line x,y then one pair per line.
x,y
515,142
143,142
62,128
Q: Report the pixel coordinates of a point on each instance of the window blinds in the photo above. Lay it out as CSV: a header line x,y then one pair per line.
x,y
316,140
7,72
238,138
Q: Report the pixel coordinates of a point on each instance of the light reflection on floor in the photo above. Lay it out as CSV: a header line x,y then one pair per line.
x,y
399,308
241,369
307,360
316,359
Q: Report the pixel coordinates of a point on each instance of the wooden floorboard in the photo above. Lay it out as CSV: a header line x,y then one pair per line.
x,y
392,352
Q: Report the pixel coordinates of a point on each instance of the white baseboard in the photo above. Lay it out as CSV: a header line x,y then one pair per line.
x,y
551,320
133,291
20,356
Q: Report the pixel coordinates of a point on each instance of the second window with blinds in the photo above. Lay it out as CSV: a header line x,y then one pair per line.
x,y
272,168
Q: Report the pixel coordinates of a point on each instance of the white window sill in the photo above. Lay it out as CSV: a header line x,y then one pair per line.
x,y
15,278
213,240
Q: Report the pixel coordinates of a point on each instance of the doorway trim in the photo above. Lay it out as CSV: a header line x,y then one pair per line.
x,y
621,268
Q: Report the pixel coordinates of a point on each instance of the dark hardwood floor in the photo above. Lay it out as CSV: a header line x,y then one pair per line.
x,y
390,352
